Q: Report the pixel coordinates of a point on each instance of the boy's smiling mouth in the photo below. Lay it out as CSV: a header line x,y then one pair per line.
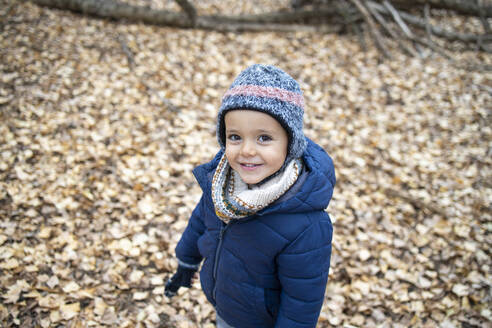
x,y
249,166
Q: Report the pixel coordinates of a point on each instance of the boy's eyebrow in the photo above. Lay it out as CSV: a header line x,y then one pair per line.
x,y
263,131
256,131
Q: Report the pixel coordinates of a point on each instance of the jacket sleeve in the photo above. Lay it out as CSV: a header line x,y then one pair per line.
x,y
303,272
187,249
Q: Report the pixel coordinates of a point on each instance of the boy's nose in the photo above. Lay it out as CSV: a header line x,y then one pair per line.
x,y
248,149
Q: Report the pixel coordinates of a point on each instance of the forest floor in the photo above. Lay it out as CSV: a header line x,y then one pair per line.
x,y
102,123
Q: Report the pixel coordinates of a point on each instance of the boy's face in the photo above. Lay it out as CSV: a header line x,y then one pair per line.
x,y
256,144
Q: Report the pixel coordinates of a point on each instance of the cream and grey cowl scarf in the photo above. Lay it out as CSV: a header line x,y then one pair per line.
x,y
233,199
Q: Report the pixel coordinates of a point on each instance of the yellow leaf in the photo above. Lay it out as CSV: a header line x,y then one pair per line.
x,y
139,296
10,264
13,294
45,232
71,287
99,306
69,311
49,301
55,316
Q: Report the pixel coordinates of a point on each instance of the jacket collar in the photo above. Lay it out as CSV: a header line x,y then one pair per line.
x,y
314,194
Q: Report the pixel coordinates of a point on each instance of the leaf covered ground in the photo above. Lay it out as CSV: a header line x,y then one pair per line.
x,y
102,122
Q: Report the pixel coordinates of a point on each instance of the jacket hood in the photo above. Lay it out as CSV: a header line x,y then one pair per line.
x,y
314,194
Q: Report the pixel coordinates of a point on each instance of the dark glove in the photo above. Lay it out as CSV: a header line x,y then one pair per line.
x,y
182,278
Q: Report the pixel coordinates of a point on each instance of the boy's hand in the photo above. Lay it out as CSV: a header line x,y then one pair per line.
x,y
182,278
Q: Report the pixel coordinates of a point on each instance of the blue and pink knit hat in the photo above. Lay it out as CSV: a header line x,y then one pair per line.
x,y
270,90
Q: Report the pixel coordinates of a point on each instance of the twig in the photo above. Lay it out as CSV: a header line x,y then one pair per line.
x,y
483,19
486,27
415,202
398,19
474,66
466,66
400,22
489,90
360,35
432,46
170,106
372,28
355,28
128,53
409,51
436,30
427,21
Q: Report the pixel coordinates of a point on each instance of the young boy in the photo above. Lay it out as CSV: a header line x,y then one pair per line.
x,y
260,225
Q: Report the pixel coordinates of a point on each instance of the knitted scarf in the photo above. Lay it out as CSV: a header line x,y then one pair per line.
x,y
234,199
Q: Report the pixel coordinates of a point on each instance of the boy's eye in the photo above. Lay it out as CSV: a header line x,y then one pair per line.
x,y
233,137
264,138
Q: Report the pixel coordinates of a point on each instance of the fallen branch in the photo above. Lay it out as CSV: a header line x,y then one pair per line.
x,y
189,9
118,10
223,27
285,17
278,21
339,14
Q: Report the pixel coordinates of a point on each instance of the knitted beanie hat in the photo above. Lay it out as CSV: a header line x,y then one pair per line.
x,y
269,90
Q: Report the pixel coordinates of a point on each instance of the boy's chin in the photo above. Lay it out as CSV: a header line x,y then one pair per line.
x,y
251,179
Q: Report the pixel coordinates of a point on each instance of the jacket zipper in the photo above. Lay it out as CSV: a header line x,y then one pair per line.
x,y
223,228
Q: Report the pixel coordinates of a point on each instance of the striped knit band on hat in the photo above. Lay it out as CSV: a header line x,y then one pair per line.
x,y
270,90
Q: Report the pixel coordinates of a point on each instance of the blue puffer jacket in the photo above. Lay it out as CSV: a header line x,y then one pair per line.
x,y
270,269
